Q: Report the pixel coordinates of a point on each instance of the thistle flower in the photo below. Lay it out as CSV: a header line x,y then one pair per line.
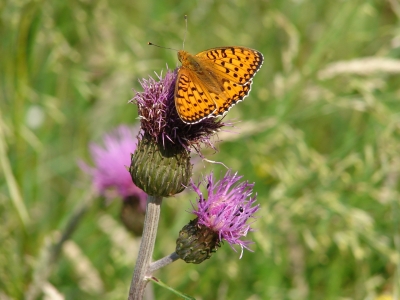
x,y
223,216
159,118
110,175
161,165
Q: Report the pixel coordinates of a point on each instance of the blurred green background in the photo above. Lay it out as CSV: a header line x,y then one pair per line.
x,y
319,135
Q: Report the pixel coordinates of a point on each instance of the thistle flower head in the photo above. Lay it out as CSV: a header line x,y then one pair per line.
x,y
159,118
228,208
111,162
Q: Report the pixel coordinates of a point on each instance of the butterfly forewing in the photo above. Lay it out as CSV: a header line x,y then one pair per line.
x,y
237,64
192,100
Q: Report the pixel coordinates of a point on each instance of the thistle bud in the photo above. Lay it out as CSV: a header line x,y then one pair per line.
x,y
160,170
196,242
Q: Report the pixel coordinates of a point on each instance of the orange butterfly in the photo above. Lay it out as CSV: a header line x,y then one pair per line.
x,y
212,81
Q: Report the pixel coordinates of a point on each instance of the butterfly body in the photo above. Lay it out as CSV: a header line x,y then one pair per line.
x,y
212,81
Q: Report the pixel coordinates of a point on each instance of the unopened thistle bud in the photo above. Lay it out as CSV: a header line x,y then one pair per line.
x,y
160,170
196,242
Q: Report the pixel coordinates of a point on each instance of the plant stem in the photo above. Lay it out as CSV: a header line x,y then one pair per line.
x,y
140,274
163,262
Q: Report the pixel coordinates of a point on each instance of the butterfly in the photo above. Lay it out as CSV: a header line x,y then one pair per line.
x,y
212,81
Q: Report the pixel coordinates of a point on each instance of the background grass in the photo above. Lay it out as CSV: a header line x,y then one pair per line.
x,y
320,140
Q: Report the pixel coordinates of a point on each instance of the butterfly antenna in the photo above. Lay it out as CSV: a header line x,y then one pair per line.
x,y
184,37
151,44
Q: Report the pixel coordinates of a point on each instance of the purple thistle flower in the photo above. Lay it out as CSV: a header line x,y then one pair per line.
x,y
111,163
227,209
160,120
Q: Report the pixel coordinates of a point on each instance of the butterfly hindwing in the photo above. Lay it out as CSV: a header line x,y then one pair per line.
x,y
193,102
234,93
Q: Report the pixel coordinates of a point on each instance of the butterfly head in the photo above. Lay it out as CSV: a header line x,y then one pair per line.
x,y
188,61
182,56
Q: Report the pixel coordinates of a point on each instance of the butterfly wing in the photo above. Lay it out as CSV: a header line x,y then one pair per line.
x,y
237,64
234,93
235,67
192,100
